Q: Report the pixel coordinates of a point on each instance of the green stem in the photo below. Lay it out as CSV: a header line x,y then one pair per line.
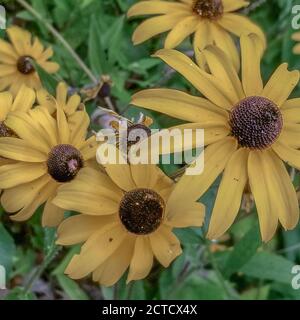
x,y
60,38
40,269
218,273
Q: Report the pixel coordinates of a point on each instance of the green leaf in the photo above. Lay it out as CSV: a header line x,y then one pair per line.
x,y
243,251
19,293
7,249
48,81
96,53
71,288
269,266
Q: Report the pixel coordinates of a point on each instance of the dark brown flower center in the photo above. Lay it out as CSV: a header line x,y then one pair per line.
x,y
5,131
24,65
210,9
141,211
256,122
64,162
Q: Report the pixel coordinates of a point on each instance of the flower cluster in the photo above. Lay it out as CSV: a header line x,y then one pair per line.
x,y
124,215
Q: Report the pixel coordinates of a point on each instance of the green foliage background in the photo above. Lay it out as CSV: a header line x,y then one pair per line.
x,y
240,266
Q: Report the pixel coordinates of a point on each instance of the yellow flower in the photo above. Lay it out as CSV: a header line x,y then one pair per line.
x,y
23,101
128,214
69,104
16,67
211,21
47,153
250,130
296,37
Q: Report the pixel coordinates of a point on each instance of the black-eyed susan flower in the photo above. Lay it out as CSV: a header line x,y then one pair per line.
x,y
211,22
296,37
23,101
47,152
16,60
250,130
68,103
127,217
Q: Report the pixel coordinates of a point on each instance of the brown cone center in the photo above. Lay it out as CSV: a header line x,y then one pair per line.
x,y
209,9
64,162
24,65
256,122
141,211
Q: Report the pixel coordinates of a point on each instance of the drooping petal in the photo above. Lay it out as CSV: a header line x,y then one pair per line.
x,y
114,267
289,155
165,245
79,228
99,247
215,160
229,195
264,194
52,215
142,260
233,5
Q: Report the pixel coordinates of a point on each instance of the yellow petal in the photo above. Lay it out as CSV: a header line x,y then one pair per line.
x,y
182,30
99,247
165,245
229,195
224,41
6,104
17,149
252,81
215,159
50,67
202,38
78,124
188,108
40,198
45,124
144,175
6,70
12,175
79,228
61,93
222,68
7,49
154,7
20,38
62,125
291,110
114,267
281,84
14,199
142,260
119,172
263,193
238,25
156,25
202,81
181,213
233,5
52,215
287,154
291,134
93,204
285,199
296,36
26,130
72,104
24,99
